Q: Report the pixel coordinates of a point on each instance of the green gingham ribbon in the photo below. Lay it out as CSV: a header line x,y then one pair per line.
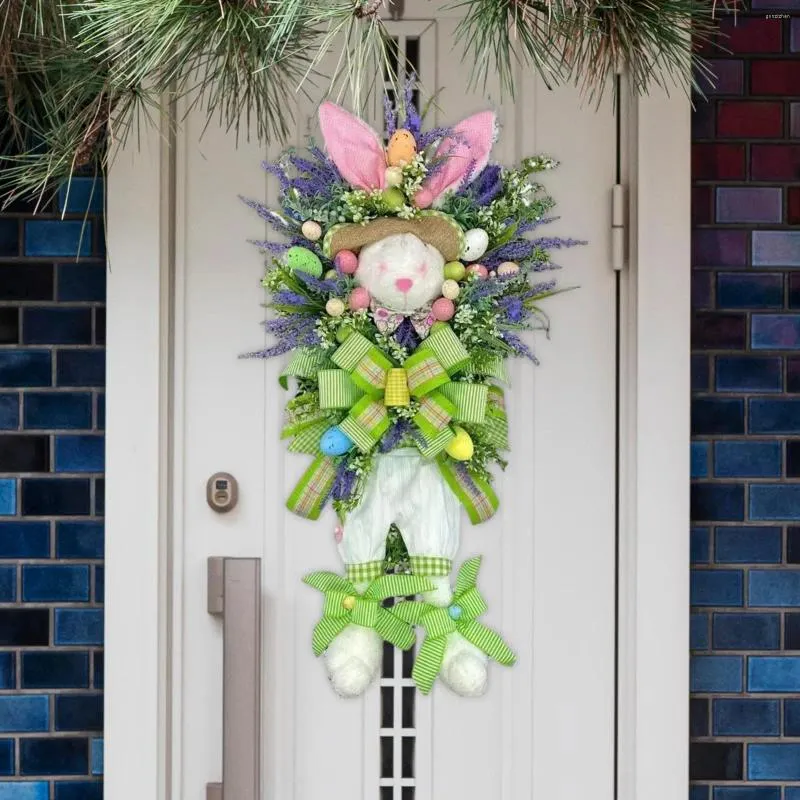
x,y
495,425
345,606
459,617
305,363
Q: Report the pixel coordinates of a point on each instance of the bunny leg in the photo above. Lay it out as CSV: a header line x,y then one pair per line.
x,y
353,658
430,523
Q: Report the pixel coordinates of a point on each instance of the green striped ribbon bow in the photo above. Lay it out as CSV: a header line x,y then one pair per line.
x,y
359,384
459,617
345,606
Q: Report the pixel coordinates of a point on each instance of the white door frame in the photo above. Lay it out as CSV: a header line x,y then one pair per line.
x,y
654,462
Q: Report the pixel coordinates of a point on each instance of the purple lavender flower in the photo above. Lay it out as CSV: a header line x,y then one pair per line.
x,y
486,186
535,223
392,438
513,308
344,483
556,242
279,172
276,248
317,285
518,346
389,116
429,137
515,250
539,288
413,122
287,298
276,221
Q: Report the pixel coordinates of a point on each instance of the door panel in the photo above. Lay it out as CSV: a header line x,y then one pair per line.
x,y
546,725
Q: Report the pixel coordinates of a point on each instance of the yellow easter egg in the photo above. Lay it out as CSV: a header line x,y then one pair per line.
x,y
401,148
460,447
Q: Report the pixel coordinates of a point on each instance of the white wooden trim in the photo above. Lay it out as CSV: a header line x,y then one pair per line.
x,y
139,223
654,513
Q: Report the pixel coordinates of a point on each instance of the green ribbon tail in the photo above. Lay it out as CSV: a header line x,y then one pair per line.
x,y
468,575
394,630
476,495
489,642
313,488
326,630
329,582
428,662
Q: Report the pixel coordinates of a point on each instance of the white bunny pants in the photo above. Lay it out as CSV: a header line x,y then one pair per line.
x,y
408,490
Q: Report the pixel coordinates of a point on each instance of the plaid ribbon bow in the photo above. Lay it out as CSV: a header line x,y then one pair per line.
x,y
461,617
345,606
361,386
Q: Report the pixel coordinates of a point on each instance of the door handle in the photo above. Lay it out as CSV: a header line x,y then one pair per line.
x,y
234,593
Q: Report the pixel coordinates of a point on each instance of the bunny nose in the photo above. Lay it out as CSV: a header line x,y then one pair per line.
x,y
404,284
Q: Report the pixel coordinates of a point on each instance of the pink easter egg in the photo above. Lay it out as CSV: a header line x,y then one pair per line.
x,y
338,533
478,269
423,198
359,298
443,309
346,261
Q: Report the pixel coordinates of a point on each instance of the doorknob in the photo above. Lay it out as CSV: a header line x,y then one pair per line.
x,y
234,593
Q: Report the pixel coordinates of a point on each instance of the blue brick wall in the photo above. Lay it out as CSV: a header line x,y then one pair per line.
x,y
745,456
52,416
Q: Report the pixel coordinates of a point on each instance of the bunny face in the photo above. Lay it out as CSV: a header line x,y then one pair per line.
x,y
401,272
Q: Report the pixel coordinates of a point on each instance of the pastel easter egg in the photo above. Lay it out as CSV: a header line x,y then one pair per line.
x,y
443,309
335,442
394,176
359,299
335,307
423,198
346,261
301,259
330,275
460,447
338,534
311,229
401,148
450,289
393,198
478,269
476,242
454,270
508,268
342,334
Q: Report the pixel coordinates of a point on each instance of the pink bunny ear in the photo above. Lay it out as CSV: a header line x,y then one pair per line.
x,y
466,151
354,147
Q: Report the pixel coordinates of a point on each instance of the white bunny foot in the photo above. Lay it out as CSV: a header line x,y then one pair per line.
x,y
465,669
353,660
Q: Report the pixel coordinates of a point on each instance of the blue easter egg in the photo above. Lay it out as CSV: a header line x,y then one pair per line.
x,y
335,442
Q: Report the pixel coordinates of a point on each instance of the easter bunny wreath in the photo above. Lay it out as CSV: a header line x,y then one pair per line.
x,y
403,287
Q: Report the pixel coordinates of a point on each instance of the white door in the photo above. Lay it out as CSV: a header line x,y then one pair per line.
x,y
548,569
546,728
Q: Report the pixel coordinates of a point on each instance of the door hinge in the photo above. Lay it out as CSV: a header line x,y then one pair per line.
x,y
619,221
